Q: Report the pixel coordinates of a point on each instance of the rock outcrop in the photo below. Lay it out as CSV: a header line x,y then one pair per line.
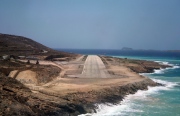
x,y
18,100
138,66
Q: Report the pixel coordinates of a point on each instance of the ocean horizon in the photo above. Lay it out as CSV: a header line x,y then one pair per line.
x,y
111,52
156,101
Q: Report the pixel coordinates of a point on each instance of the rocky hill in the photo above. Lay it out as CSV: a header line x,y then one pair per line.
x,y
18,100
18,45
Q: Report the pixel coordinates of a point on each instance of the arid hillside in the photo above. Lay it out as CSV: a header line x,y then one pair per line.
x,y
22,46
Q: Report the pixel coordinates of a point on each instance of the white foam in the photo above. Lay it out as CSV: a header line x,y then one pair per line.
x,y
161,71
114,110
167,84
128,105
174,67
156,71
164,63
161,62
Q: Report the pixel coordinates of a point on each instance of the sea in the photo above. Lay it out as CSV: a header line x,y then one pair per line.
x,y
156,101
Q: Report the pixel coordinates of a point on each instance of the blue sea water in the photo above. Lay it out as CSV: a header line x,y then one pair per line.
x,y
156,101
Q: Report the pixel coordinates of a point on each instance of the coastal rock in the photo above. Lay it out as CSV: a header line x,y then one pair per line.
x,y
112,95
138,66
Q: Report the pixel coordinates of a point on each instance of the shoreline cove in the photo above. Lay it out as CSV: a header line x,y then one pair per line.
x,y
107,109
127,90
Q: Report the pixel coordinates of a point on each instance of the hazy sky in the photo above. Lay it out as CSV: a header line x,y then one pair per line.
x,y
97,24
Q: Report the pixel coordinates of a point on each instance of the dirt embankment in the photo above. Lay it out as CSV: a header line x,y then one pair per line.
x,y
29,73
16,99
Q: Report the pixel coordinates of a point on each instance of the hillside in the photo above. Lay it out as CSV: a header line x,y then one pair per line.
x,y
18,45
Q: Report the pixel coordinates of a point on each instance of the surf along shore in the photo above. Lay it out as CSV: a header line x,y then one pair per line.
x,y
69,92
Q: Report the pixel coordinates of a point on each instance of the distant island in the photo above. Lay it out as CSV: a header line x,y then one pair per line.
x,y
126,48
131,49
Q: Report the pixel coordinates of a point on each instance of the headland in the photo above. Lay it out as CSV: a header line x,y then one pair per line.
x,y
41,81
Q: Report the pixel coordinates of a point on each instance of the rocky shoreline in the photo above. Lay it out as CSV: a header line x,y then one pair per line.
x,y
138,66
17,99
113,95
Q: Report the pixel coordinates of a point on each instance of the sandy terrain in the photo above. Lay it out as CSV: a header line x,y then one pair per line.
x,y
93,76
86,74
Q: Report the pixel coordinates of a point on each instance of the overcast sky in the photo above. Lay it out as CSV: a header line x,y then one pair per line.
x,y
94,24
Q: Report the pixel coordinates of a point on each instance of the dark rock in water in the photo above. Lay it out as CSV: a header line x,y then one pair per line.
x,y
160,84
